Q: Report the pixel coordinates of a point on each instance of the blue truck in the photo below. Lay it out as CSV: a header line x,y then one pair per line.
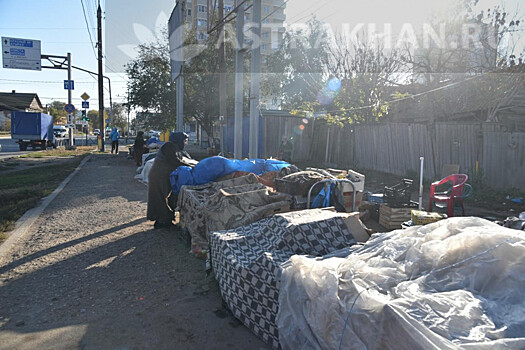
x,y
32,129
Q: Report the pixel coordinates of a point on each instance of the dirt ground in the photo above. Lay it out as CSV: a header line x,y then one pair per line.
x,y
91,273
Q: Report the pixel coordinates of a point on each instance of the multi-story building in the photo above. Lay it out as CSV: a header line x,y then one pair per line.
x,y
272,15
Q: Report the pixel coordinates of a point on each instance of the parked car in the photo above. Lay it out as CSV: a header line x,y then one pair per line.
x,y
153,133
60,131
96,132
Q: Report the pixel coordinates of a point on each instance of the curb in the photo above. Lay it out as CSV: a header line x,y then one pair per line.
x,y
23,224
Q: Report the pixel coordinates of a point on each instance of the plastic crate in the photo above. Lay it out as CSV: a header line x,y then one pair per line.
x,y
398,195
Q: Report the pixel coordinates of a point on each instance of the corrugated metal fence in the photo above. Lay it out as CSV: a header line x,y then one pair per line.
x,y
396,148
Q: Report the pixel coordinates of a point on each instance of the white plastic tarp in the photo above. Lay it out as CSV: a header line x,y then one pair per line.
x,y
144,174
457,283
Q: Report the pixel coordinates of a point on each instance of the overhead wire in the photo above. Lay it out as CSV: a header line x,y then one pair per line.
x,y
407,97
87,27
303,17
275,10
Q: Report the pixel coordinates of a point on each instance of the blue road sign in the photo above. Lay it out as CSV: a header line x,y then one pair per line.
x,y
69,85
69,108
85,104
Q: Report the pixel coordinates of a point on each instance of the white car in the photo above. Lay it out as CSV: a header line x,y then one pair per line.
x,y
60,131
96,132
153,133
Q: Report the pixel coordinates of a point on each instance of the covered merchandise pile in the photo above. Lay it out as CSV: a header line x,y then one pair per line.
x,y
226,204
247,260
456,283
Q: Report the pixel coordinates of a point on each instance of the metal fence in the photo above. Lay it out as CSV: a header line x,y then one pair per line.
x,y
498,158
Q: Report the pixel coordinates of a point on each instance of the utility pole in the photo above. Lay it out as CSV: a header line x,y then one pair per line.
x,y
255,79
222,75
69,100
102,134
239,83
127,135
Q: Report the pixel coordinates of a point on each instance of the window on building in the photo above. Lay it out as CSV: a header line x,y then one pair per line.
x,y
201,36
266,35
265,46
201,22
201,8
266,9
189,12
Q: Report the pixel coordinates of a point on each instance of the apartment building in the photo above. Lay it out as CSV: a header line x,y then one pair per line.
x,y
272,21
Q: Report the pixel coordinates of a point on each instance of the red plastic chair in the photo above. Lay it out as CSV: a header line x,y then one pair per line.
x,y
456,194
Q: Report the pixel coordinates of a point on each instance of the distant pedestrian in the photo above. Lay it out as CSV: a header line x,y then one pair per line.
x,y
138,147
286,150
161,201
114,136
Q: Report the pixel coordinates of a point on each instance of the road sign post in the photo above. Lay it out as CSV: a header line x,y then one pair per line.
x,y
69,85
21,53
69,108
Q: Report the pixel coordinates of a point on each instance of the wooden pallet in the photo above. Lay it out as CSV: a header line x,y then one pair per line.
x,y
392,218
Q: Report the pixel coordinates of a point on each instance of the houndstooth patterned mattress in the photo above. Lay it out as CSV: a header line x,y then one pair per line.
x,y
247,261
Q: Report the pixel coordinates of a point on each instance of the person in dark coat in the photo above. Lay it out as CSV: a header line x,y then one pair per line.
x,y
286,150
169,157
138,147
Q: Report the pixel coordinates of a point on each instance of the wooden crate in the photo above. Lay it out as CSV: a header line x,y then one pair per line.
x,y
392,218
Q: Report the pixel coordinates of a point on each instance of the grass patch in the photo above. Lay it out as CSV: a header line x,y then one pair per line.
x,y
59,152
22,190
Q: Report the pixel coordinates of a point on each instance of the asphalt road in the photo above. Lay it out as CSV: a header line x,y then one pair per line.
x,y
10,148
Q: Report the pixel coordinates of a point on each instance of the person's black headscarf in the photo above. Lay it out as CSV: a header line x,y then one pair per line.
x,y
178,139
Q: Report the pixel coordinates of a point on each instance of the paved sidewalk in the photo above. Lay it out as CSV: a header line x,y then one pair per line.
x,y
91,273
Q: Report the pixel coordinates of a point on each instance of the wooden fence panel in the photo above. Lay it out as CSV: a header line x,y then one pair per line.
x,y
396,148
503,164
458,144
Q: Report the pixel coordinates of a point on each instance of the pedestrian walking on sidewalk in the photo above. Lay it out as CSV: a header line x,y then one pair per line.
x,y
161,201
114,136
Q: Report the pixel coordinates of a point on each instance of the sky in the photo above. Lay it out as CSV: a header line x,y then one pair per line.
x,y
65,26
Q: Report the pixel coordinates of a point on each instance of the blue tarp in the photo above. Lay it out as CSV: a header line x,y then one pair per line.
x,y
209,169
154,139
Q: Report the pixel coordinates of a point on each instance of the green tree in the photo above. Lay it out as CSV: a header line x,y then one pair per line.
x,y
150,87
56,109
297,71
153,94
201,84
364,75
119,116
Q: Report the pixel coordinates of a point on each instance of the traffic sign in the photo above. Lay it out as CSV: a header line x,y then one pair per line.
x,y
21,53
85,104
69,108
69,85
85,97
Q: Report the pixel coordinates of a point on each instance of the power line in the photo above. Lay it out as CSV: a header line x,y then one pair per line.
x,y
407,97
317,8
87,26
55,81
275,10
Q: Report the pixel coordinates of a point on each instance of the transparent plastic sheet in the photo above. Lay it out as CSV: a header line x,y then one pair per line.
x,y
457,283
144,174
